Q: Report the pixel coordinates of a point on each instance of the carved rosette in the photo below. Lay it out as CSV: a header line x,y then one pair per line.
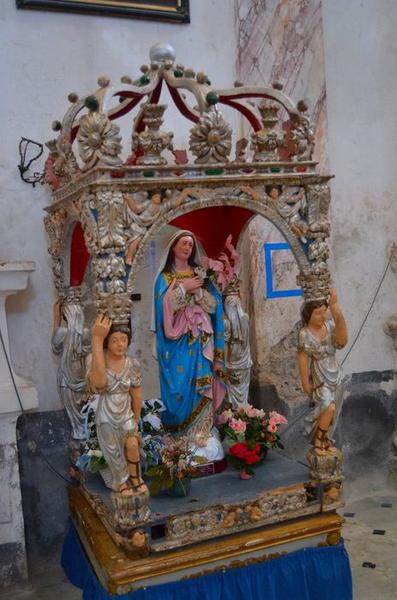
x,y
98,140
211,139
267,141
149,144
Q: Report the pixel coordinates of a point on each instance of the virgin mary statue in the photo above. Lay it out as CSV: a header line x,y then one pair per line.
x,y
188,322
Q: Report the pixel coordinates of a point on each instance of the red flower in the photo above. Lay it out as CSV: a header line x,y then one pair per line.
x,y
241,451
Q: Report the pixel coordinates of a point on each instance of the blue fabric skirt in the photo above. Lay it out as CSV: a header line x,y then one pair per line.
x,y
307,574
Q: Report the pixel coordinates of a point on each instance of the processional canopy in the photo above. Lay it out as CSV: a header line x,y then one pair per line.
x,y
122,203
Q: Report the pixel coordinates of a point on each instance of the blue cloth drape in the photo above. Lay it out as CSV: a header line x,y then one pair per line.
x,y
308,574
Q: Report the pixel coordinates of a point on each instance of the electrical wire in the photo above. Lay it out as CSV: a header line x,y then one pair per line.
x,y
370,308
37,441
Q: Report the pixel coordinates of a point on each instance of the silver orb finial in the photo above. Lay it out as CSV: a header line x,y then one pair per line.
x,y
161,52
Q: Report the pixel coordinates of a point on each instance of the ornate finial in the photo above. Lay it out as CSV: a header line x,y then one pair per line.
x,y
277,85
56,126
266,142
302,133
201,78
162,52
103,81
73,97
152,142
211,138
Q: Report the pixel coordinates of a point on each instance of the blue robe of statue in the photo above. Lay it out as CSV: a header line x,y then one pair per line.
x,y
186,362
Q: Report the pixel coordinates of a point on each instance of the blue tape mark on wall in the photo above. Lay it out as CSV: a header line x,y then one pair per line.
x,y
270,292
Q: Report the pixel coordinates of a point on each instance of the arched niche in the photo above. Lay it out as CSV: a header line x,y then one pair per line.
x,y
217,200
152,247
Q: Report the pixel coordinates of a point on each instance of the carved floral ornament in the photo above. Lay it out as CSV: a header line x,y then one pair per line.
x,y
121,205
99,140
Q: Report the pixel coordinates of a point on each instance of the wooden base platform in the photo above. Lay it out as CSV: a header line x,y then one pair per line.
x,y
120,574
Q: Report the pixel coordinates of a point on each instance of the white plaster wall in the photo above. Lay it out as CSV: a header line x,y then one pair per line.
x,y
43,57
360,64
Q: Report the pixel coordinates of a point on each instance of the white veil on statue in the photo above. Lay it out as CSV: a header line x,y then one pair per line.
x,y
163,261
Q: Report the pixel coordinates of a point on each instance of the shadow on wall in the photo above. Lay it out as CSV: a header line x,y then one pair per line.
x,y
365,427
44,495
369,417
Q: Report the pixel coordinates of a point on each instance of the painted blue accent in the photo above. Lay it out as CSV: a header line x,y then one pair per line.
x,y
304,574
270,292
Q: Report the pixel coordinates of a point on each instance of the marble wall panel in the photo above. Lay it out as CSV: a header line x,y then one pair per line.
x,y
279,41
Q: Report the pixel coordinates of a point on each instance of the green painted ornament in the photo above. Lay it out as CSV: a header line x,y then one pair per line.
x,y
91,102
212,98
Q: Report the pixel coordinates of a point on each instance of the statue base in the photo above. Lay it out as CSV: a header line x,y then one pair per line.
x,y
223,517
120,572
326,471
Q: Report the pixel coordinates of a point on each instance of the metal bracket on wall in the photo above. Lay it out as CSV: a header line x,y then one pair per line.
x,y
35,150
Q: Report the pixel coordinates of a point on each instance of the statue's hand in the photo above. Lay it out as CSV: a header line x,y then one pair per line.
x,y
193,284
101,327
333,298
333,303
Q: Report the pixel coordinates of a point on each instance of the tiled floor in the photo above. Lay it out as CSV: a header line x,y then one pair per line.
x,y
379,583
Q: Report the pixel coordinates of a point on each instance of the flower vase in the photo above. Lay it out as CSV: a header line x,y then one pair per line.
x,y
181,488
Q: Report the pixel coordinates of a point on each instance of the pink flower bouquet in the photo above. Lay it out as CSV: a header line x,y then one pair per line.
x,y
249,433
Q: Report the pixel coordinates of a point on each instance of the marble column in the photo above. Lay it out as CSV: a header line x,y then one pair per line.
x,y
13,565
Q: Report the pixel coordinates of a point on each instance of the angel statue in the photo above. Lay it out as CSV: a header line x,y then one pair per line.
x,y
72,341
320,373
116,377
236,323
291,207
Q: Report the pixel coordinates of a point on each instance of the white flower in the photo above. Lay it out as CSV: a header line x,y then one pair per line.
x,y
154,421
201,272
